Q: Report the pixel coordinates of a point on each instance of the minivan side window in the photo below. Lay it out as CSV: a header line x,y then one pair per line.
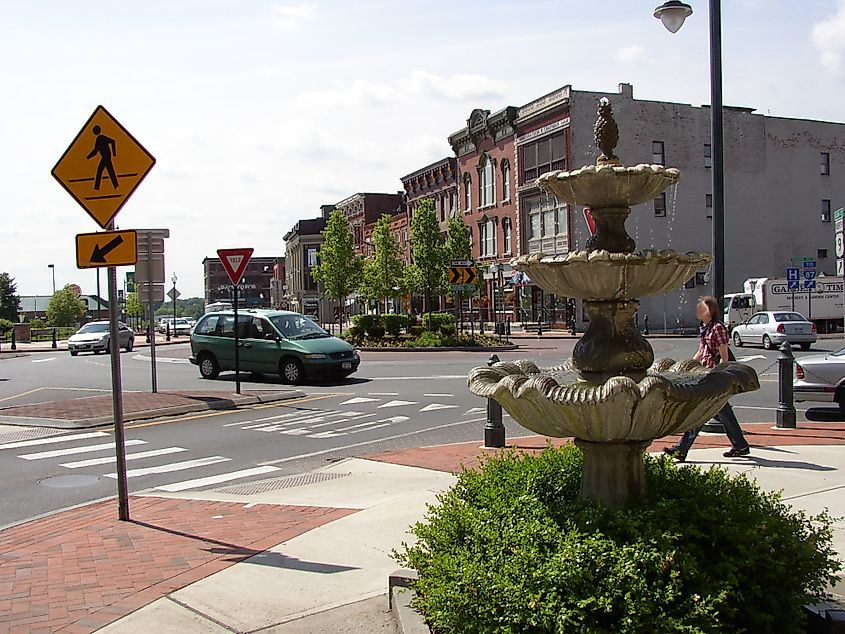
x,y
258,329
207,326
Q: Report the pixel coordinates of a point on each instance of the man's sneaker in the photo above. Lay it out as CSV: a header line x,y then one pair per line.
x,y
675,452
734,453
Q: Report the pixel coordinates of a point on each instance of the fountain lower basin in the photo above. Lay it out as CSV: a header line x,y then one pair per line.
x,y
673,397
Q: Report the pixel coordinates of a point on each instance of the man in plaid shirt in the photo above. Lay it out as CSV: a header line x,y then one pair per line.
x,y
712,348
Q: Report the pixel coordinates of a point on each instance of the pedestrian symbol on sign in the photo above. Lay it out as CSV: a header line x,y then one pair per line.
x,y
105,147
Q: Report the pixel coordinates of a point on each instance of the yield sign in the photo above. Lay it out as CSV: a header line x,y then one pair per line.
x,y
103,166
235,261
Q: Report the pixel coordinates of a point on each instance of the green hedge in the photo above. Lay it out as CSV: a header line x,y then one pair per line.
x,y
394,324
435,321
512,548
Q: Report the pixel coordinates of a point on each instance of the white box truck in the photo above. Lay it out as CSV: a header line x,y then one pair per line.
x,y
823,306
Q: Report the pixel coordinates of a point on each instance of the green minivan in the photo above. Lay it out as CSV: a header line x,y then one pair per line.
x,y
272,342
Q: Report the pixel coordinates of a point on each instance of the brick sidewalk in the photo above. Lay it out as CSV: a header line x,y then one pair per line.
x,y
452,457
79,570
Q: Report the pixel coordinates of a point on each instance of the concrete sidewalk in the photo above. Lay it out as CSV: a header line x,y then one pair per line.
x,y
303,553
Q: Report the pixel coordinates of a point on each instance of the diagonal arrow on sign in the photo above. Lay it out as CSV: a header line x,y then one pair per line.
x,y
99,253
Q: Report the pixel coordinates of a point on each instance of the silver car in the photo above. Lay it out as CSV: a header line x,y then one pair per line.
x,y
94,337
770,329
821,377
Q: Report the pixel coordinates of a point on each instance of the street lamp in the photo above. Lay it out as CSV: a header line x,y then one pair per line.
x,y
52,267
173,279
673,13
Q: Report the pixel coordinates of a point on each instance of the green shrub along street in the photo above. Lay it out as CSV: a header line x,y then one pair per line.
x,y
435,330
511,548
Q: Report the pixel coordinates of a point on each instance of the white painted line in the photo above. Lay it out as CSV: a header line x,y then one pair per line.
x,y
440,395
418,378
344,420
359,399
44,360
258,420
299,431
397,404
474,410
750,358
130,456
51,440
75,450
167,468
382,393
223,477
436,406
335,434
371,442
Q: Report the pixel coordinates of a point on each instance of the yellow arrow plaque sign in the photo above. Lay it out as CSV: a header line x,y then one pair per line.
x,y
103,167
106,248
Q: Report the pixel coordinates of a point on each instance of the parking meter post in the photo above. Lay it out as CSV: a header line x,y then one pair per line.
x,y
55,343
494,430
786,406
237,344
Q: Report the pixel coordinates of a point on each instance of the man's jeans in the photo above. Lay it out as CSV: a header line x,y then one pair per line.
x,y
728,419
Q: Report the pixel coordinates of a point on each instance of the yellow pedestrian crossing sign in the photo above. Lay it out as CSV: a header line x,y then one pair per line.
x,y
103,166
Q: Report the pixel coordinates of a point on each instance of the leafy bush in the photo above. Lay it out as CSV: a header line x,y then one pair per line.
x,y
415,331
376,332
394,324
366,322
37,324
5,326
447,330
434,321
511,548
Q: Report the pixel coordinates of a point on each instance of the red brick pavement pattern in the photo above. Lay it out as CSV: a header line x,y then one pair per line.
x,y
95,406
79,570
451,458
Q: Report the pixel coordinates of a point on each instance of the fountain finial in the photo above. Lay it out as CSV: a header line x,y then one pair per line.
x,y
607,133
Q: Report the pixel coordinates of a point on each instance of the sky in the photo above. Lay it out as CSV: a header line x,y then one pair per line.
x,y
260,111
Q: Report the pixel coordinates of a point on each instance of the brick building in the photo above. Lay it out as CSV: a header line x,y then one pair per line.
x,y
438,181
362,211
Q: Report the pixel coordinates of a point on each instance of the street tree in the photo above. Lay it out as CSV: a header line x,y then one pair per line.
x,y
66,308
426,271
338,268
10,302
134,307
384,271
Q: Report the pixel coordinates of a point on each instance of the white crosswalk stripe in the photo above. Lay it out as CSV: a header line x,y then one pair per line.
x,y
436,406
93,462
173,466
359,399
223,477
397,404
55,453
51,440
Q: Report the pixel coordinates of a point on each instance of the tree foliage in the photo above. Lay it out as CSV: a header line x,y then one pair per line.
x,y
339,269
425,273
10,302
384,271
66,308
134,307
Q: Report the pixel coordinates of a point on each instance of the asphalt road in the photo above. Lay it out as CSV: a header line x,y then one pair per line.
x,y
395,400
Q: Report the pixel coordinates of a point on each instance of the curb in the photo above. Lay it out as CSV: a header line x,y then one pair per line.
x,y
512,346
174,410
400,594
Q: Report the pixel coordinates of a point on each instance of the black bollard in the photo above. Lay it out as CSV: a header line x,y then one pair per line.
x,y
55,344
508,327
645,321
14,340
167,336
494,430
539,328
786,406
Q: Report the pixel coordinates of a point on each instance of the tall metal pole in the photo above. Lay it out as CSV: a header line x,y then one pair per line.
x,y
99,303
237,344
151,323
717,143
117,398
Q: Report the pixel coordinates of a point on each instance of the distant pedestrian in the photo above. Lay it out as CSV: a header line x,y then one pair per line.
x,y
713,338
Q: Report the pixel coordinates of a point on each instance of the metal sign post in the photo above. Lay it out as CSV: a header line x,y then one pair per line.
x,y
117,399
237,344
234,262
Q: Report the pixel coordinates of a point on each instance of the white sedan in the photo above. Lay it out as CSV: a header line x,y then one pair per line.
x,y
770,329
821,377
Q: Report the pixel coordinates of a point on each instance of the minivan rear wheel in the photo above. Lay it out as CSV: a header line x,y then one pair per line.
x,y
209,368
291,371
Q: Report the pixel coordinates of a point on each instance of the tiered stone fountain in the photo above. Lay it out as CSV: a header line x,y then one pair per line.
x,y
611,396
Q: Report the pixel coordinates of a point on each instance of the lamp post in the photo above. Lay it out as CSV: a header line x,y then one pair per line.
x,y
673,13
52,267
173,279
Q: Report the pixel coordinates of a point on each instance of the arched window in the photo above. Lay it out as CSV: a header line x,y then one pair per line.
x,y
486,182
506,235
506,180
467,192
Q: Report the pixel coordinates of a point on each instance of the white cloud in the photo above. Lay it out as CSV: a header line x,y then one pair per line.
x,y
290,16
829,37
358,94
632,54
455,87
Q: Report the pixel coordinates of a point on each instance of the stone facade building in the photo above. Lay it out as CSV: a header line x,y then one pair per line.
x,y
304,294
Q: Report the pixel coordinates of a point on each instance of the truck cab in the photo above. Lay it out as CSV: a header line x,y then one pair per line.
x,y
738,308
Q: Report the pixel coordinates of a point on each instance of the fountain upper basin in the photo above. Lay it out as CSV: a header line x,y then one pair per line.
x,y
609,185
